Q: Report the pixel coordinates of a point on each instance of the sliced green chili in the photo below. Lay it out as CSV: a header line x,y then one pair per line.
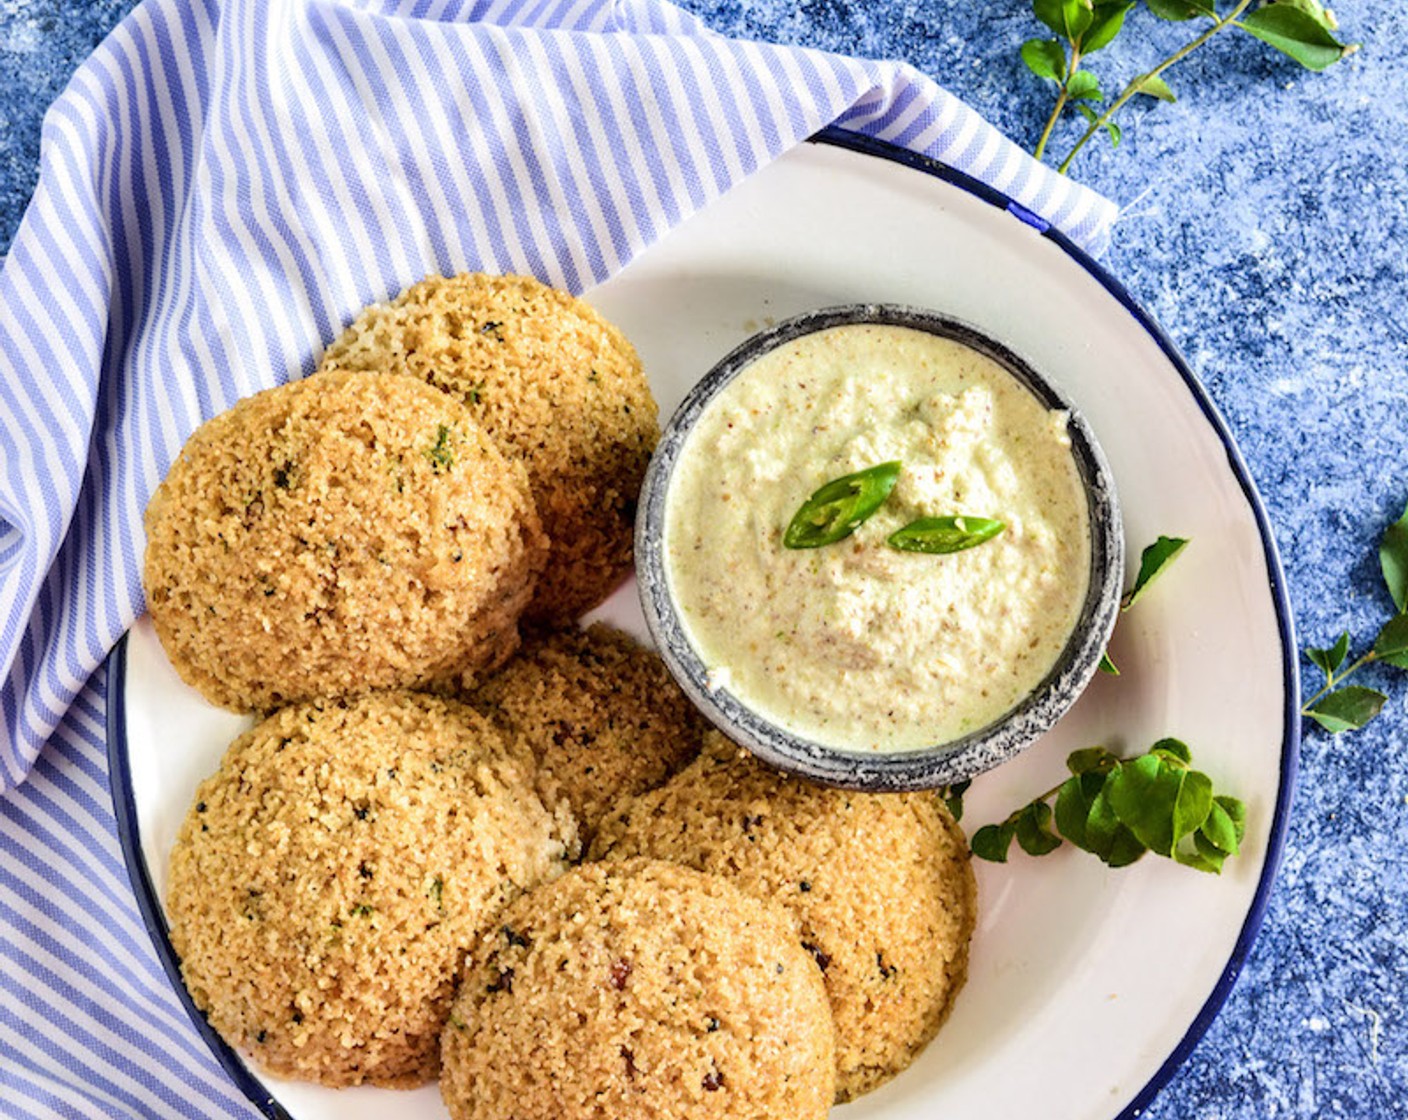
x,y
938,535
836,510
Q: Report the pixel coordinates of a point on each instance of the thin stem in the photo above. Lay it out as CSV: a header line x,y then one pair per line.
x,y
1332,681
1040,148
1047,796
1219,23
1062,97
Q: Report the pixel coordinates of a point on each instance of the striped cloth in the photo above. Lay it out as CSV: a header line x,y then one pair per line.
x,y
223,185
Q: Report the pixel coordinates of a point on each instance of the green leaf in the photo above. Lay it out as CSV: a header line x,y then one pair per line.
x,y
1234,808
1034,830
1313,8
1084,86
1180,9
1105,836
1110,127
953,798
839,507
992,841
1091,760
1101,821
1331,659
1073,804
1220,830
1393,561
1391,645
1107,664
1155,86
1175,748
1153,562
1203,856
1046,58
1295,33
1194,804
1346,709
940,535
1068,18
1143,792
1125,849
1106,24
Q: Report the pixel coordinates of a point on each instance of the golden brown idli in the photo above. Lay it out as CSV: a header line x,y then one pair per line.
x,y
639,990
600,713
879,886
330,876
557,386
335,535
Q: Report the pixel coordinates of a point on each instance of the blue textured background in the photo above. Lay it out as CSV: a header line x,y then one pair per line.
x,y
1265,223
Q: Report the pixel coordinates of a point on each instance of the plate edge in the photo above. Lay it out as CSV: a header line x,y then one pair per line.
x,y
1291,731
129,839
120,778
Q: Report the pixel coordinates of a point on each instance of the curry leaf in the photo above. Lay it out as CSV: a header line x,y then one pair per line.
x,y
1119,809
1143,792
992,841
1034,829
1107,22
1091,760
1392,643
1068,18
1331,659
1302,29
1046,58
1180,9
1295,33
1393,561
1314,9
1346,709
953,797
1083,86
1153,562
1155,86
1220,830
1109,127
1172,750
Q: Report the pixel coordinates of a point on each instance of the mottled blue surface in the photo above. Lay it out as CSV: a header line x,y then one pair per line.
x,y
1266,217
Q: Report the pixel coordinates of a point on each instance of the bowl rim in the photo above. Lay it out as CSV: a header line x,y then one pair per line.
x,y
943,763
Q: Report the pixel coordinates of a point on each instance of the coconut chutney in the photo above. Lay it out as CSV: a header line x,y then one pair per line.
x,y
857,645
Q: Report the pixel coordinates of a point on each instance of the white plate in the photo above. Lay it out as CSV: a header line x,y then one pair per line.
x,y
1087,985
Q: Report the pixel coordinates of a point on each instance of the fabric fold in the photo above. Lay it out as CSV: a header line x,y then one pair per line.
x,y
225,183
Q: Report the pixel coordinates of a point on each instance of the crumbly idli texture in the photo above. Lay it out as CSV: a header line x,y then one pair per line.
x,y
642,990
556,384
601,714
335,535
879,886
330,877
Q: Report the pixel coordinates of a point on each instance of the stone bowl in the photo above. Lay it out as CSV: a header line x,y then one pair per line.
x,y
943,763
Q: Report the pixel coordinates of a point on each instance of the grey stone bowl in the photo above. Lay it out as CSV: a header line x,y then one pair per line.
x,y
942,763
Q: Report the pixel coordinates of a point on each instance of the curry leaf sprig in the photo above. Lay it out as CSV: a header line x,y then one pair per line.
x,y
1120,808
1152,563
1302,29
1340,707
840,507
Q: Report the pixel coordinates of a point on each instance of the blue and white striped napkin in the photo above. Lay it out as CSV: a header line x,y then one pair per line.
x,y
223,185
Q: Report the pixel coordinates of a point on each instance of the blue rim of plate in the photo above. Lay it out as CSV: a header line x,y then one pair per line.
x,y
148,903
129,835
